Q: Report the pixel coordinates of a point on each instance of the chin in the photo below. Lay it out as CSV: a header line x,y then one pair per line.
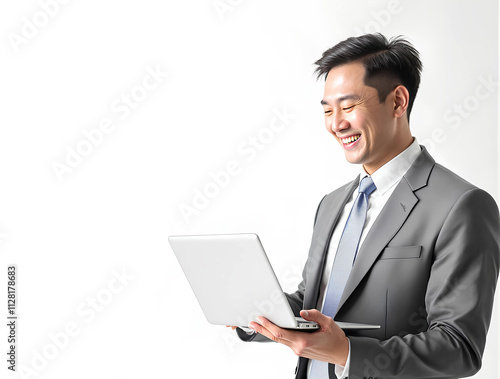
x,y
353,160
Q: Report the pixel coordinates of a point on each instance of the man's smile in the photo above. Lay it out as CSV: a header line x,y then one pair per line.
x,y
351,141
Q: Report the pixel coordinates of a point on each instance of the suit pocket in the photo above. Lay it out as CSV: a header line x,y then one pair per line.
x,y
401,252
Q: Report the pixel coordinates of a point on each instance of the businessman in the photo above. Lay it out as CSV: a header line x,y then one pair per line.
x,y
407,245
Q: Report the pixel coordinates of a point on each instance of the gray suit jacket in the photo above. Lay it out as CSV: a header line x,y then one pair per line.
x,y
426,273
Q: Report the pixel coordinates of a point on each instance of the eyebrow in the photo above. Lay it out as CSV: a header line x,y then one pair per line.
x,y
341,99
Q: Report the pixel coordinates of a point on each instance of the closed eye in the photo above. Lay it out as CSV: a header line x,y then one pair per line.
x,y
329,111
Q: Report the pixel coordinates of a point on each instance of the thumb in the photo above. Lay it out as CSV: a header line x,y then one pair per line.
x,y
313,315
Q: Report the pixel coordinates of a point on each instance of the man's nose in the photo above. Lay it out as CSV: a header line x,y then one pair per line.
x,y
339,123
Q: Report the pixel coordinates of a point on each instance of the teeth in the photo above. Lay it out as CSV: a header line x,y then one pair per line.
x,y
350,139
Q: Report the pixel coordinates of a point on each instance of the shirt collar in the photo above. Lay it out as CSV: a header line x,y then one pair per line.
x,y
392,172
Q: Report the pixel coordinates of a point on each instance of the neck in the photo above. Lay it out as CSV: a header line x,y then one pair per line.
x,y
371,168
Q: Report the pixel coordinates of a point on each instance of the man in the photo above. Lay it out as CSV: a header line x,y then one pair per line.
x,y
425,243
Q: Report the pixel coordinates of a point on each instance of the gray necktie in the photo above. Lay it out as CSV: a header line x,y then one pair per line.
x,y
344,259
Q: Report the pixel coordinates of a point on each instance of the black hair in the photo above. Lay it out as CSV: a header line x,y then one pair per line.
x,y
387,63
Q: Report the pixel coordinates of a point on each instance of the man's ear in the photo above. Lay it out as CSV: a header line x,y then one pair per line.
x,y
401,100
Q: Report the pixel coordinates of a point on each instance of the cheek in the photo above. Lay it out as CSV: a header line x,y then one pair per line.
x,y
328,125
356,119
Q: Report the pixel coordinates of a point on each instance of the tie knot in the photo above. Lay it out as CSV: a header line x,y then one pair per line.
x,y
367,186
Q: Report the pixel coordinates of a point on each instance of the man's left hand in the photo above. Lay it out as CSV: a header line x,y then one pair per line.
x,y
328,344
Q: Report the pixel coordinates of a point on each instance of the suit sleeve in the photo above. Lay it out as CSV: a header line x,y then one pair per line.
x,y
458,300
296,299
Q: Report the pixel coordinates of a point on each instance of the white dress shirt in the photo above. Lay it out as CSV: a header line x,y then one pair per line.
x,y
385,178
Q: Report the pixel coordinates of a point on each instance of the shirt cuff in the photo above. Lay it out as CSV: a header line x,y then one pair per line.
x,y
343,372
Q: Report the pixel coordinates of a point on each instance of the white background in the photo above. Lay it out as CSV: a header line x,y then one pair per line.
x,y
229,70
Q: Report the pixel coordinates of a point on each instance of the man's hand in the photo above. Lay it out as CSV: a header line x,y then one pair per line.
x,y
328,344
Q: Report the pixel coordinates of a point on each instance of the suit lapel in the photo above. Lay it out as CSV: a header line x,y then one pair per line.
x,y
325,223
393,216
389,221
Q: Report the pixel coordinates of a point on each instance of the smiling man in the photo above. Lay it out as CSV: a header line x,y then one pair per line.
x,y
370,132
407,245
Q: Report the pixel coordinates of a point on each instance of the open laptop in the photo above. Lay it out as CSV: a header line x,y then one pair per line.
x,y
234,282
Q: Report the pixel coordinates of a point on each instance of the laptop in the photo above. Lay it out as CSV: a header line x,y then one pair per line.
x,y
234,282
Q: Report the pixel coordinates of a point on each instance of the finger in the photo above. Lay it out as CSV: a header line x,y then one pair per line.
x,y
260,329
283,335
293,339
